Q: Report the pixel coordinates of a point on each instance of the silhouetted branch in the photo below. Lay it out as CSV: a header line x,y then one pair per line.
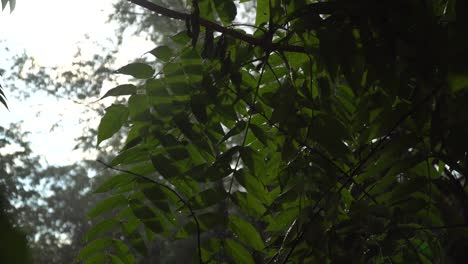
x,y
260,42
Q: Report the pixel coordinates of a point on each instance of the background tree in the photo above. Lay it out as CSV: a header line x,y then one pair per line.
x,y
51,202
13,245
48,204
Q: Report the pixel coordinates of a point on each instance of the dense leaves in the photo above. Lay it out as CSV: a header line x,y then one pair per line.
x,y
332,133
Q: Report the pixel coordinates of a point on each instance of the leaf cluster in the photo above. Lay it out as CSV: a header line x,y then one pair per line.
x,y
332,133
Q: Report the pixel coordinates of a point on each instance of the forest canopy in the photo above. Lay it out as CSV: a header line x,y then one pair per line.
x,y
306,132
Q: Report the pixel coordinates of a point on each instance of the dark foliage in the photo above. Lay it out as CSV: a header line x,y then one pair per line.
x,y
335,132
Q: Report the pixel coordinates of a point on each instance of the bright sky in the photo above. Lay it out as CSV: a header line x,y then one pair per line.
x,y
49,30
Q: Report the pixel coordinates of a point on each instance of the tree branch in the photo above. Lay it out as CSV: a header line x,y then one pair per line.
x,y
259,42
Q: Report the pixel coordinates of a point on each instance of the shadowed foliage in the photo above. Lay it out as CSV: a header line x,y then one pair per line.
x,y
326,131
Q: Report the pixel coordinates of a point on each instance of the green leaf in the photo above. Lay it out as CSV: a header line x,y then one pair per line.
x,y
206,9
282,220
134,136
181,38
209,197
408,188
115,260
131,155
226,10
138,70
210,220
148,217
114,182
198,105
330,133
3,97
96,259
210,247
3,101
165,166
123,179
251,184
259,134
97,246
238,128
263,12
100,228
159,196
153,191
246,232
458,82
156,87
163,53
107,205
112,121
238,253
123,252
249,204
177,84
130,229
183,123
137,104
124,89
253,160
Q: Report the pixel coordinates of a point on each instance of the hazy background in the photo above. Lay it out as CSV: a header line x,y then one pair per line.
x,y
57,57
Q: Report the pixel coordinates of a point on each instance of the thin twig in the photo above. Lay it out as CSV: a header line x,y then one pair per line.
x,y
265,61
189,207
